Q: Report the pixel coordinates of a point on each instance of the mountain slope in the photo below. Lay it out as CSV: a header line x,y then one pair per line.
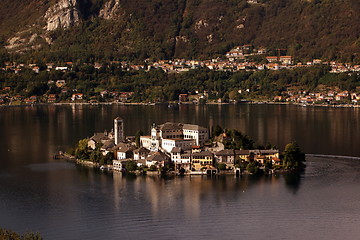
x,y
138,29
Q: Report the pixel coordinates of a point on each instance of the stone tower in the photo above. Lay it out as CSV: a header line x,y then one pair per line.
x,y
119,130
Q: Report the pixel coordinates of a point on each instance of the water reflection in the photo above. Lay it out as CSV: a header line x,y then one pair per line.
x,y
188,193
278,124
72,202
293,181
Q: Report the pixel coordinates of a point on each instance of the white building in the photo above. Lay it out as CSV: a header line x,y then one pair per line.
x,y
169,135
141,154
185,144
124,151
200,134
178,156
117,165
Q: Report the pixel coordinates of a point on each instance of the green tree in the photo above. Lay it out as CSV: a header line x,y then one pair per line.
x,y
217,130
96,157
153,168
253,167
137,137
182,171
8,234
82,150
293,157
108,158
131,166
221,166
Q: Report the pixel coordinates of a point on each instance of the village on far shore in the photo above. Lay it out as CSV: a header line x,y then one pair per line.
x,y
237,59
181,149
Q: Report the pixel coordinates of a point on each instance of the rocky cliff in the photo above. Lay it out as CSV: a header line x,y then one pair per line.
x,y
63,14
110,10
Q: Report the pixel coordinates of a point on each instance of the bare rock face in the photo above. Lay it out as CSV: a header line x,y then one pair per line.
x,y
110,10
27,40
63,14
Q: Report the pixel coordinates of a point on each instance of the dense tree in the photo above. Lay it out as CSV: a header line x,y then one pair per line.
x,y
217,130
237,140
96,156
153,168
138,134
10,235
221,166
293,157
157,85
131,166
253,167
82,150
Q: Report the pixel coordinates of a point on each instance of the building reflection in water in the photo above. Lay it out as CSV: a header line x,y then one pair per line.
x,y
187,194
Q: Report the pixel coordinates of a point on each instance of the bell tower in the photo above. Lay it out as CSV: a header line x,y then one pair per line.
x,y
119,130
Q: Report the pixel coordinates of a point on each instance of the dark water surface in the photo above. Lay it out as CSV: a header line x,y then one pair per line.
x,y
63,201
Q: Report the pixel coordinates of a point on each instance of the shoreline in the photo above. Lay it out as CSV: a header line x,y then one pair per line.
x,y
109,168
186,103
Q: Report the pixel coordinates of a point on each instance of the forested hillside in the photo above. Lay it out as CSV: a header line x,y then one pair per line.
x,y
139,29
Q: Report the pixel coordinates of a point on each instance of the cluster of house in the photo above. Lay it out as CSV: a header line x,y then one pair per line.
x,y
235,60
184,145
66,94
327,97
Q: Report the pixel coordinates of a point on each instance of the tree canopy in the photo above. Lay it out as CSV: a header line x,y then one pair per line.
x,y
293,157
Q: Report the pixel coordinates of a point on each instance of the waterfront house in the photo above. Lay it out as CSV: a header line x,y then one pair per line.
x,y
118,165
77,96
270,153
202,160
157,159
242,154
124,151
51,98
176,155
185,157
226,156
260,159
275,161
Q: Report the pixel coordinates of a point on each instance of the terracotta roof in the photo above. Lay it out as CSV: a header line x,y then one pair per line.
x,y
98,137
202,154
141,150
193,127
176,150
225,152
170,126
242,152
158,157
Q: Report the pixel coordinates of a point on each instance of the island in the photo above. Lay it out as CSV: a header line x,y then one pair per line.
x,y
183,149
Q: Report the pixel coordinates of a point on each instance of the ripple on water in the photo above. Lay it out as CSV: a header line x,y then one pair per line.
x,y
53,166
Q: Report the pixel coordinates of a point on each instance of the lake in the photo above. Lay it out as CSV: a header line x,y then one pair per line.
x,y
63,201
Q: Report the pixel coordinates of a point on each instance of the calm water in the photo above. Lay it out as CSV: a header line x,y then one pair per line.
x,y
62,201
